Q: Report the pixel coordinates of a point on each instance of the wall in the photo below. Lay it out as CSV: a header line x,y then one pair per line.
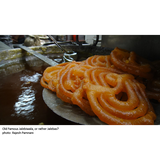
x,y
91,38
145,44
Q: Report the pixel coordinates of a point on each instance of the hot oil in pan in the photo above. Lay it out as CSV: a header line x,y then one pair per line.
x,y
21,101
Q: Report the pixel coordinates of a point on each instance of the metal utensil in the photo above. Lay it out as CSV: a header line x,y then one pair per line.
x,y
38,55
68,56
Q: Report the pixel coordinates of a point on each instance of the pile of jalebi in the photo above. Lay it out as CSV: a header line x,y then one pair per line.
x,y
153,85
110,87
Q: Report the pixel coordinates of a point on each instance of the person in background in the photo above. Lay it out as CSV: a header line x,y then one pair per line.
x,y
18,37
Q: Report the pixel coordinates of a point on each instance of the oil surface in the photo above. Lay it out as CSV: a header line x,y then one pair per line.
x,y
21,101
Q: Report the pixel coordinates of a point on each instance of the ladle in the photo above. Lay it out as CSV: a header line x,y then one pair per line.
x,y
38,55
68,56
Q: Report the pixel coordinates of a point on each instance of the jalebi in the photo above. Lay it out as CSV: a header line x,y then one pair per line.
x,y
114,87
153,89
135,110
69,87
99,61
129,63
49,74
153,85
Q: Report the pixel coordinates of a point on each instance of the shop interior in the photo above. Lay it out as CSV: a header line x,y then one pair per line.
x,y
27,97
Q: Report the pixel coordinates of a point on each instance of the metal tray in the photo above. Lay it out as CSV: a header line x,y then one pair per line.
x,y
68,111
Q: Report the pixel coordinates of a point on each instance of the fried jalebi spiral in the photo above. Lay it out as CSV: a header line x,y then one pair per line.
x,y
99,61
153,89
64,87
153,95
130,63
112,87
153,85
49,74
104,103
69,87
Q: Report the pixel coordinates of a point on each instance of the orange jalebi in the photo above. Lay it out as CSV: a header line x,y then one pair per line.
x,y
101,61
128,62
49,74
135,110
153,85
105,86
69,87
64,87
153,89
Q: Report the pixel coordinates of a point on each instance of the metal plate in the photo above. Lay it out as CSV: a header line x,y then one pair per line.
x,y
68,111
75,114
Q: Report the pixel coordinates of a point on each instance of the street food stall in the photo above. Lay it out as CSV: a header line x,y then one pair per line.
x,y
27,97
